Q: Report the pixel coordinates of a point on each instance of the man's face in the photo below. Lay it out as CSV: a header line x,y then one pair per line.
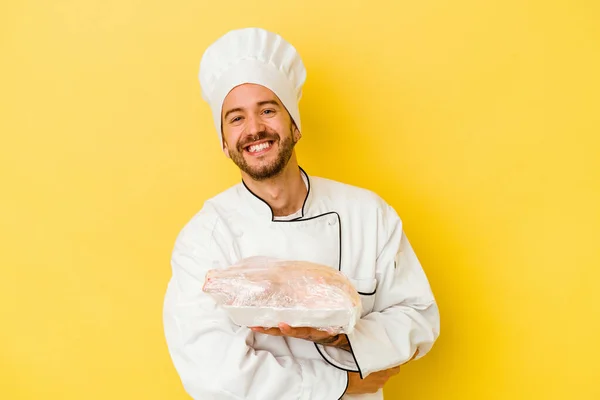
x,y
258,133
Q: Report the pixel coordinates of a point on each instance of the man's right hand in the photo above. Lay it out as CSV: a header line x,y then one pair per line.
x,y
372,383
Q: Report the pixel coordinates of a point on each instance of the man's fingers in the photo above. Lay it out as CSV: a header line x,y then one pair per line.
x,y
269,331
288,330
300,333
282,330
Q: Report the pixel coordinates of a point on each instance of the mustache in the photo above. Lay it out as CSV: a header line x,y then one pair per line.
x,y
262,135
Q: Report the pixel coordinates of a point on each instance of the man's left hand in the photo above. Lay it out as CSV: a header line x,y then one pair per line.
x,y
306,333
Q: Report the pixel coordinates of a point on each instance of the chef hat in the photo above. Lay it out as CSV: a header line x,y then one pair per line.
x,y
251,55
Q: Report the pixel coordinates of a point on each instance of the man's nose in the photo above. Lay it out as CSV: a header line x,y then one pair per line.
x,y
254,125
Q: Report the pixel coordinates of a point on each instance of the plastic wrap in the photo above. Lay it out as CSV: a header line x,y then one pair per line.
x,y
263,292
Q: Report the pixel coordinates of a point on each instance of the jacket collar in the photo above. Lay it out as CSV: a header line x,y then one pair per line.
x,y
262,208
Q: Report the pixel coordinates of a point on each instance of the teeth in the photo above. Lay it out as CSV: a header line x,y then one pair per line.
x,y
258,147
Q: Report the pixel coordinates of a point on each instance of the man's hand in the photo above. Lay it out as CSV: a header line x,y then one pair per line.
x,y
372,383
314,335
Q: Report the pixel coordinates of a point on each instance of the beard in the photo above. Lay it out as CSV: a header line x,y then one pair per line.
x,y
271,169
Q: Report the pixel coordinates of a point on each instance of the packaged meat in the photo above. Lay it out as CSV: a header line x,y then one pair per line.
x,y
263,292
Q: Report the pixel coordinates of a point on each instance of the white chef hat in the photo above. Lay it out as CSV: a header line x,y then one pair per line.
x,y
251,55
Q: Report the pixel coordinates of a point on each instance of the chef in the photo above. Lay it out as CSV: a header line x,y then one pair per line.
x,y
252,80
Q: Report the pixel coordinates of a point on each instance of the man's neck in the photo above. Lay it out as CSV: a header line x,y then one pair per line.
x,y
284,193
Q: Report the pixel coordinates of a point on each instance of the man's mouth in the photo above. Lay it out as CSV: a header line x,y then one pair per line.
x,y
258,148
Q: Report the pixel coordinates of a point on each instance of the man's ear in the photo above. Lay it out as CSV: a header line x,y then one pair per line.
x,y
226,150
297,134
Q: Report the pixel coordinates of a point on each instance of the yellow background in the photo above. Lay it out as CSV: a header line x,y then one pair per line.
x,y
477,120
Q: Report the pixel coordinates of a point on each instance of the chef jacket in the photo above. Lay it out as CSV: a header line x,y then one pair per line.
x,y
342,226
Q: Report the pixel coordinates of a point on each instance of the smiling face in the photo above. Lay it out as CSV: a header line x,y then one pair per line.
x,y
258,133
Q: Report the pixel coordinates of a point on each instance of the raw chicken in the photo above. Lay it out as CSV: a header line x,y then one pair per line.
x,y
301,289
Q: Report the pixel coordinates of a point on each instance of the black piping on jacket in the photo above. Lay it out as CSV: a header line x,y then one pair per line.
x,y
301,219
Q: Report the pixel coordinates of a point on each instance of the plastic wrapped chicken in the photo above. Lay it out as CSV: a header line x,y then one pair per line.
x,y
263,292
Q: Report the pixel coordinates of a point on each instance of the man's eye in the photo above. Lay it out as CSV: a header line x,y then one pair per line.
x,y
236,119
269,112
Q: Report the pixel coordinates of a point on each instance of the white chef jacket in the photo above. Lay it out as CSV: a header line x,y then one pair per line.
x,y
348,228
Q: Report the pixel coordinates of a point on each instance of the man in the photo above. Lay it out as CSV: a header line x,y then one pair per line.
x,y
252,80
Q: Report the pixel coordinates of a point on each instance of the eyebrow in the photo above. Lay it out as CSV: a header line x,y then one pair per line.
x,y
265,102
260,104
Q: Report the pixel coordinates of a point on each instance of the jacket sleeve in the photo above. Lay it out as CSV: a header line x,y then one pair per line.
x,y
405,316
215,358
